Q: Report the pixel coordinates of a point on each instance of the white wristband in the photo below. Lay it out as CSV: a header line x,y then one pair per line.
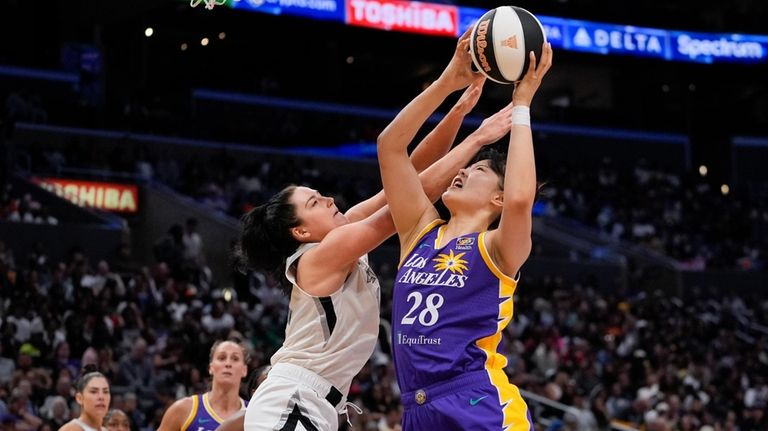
x,y
521,115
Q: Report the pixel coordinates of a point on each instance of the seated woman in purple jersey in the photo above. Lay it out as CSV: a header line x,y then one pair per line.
x,y
320,256
454,288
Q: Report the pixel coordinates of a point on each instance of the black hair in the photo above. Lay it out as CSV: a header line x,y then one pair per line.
x,y
88,373
265,240
114,412
497,161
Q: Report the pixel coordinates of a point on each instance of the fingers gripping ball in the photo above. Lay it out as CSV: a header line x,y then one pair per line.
x,y
501,40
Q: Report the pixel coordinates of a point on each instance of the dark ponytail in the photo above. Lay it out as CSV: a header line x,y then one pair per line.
x,y
265,240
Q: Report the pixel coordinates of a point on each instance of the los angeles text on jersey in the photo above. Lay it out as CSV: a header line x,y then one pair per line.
x,y
421,339
427,278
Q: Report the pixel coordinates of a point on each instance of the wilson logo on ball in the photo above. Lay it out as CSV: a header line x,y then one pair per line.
x,y
482,30
501,40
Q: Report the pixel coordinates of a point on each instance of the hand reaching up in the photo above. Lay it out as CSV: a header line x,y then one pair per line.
x,y
529,85
458,74
469,98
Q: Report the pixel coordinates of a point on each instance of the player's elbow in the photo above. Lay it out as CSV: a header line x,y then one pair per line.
x,y
518,202
381,141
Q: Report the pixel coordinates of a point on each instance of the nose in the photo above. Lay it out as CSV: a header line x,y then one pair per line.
x,y
463,172
329,200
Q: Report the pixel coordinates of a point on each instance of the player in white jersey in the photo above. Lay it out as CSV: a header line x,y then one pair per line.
x,y
322,255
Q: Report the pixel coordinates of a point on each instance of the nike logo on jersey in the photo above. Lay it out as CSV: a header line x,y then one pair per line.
x,y
473,402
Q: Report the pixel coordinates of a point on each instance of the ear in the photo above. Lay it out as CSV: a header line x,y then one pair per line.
x,y
300,233
498,199
79,398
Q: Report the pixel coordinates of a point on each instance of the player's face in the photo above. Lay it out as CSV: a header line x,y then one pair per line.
x,y
95,397
474,187
228,364
118,422
318,214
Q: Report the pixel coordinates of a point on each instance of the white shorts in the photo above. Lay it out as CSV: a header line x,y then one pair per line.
x,y
291,399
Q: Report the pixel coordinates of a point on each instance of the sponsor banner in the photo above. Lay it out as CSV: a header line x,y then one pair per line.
x,y
329,10
573,35
406,16
115,197
715,48
616,39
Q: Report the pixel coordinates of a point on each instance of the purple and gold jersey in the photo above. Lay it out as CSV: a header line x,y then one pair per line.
x,y
202,417
450,305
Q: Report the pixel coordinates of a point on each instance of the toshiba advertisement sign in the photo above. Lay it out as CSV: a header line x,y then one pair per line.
x,y
412,17
114,197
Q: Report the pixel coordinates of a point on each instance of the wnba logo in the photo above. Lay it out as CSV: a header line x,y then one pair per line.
x,y
510,42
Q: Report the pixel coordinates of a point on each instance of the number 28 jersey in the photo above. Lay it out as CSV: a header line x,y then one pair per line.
x,y
450,305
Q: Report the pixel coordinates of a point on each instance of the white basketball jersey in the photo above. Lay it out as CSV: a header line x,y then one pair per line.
x,y
332,336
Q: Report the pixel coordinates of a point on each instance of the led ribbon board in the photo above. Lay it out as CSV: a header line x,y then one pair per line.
x,y
573,35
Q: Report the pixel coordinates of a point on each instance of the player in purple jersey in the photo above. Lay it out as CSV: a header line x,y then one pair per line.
x,y
454,288
320,256
204,412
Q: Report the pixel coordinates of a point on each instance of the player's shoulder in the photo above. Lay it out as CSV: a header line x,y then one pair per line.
x,y
183,406
72,425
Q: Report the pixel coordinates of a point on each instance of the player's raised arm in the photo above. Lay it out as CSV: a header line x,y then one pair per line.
x,y
511,242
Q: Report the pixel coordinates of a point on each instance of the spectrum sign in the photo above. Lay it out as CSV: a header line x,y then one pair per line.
x,y
114,197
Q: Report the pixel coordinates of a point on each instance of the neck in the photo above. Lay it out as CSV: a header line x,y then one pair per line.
x,y
464,223
91,421
224,398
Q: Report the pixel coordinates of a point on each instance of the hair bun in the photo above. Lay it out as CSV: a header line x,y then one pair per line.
x,y
89,368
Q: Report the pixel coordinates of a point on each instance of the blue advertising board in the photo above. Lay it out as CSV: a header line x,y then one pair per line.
x,y
569,34
711,48
601,38
328,10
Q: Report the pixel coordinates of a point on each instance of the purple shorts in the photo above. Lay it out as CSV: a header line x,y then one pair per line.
x,y
470,402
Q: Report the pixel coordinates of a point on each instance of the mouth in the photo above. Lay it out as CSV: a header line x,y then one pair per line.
x,y
457,183
226,373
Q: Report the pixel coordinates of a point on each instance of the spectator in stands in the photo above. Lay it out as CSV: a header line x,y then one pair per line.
x,y
219,320
170,248
137,371
193,243
56,412
137,417
7,365
17,407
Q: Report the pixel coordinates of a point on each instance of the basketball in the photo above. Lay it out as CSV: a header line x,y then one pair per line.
x,y
501,40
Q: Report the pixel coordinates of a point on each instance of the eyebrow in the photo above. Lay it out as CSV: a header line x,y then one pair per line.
x,y
314,196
